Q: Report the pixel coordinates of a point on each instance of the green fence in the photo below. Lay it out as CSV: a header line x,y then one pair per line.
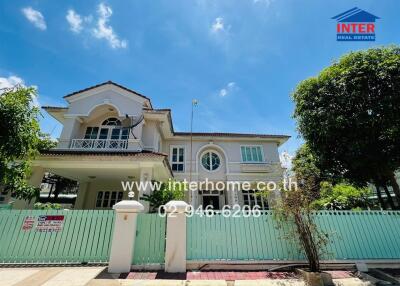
x,y
150,240
38,236
352,235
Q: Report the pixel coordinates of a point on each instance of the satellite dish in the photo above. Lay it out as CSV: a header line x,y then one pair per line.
x,y
132,122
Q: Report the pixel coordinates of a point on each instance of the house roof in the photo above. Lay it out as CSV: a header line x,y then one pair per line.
x,y
219,134
355,15
143,153
105,83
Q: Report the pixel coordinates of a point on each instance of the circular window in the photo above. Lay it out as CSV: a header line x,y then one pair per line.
x,y
210,161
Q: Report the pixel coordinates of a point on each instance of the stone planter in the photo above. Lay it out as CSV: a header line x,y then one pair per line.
x,y
316,278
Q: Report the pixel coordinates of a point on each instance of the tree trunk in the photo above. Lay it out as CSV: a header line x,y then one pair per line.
x,y
379,194
395,186
389,198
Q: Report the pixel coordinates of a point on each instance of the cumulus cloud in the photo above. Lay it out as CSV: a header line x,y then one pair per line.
x,y
218,25
75,21
104,31
35,17
229,88
12,81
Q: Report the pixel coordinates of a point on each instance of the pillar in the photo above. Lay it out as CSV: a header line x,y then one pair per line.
x,y
123,240
175,250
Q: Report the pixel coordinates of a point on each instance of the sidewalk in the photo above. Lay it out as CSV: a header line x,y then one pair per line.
x,y
97,276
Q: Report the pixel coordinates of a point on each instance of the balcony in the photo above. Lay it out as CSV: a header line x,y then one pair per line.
x,y
101,144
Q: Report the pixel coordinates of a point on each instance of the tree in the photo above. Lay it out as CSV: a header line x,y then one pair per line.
x,y
60,185
167,192
305,167
296,209
349,116
342,197
20,140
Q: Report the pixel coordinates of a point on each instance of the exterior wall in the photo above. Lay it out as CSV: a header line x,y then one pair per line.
x,y
97,185
151,136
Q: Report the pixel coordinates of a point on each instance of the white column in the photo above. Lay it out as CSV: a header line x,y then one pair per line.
x,y
175,250
146,175
123,240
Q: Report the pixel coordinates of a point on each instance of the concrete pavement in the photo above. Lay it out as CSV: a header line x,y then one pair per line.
x,y
97,276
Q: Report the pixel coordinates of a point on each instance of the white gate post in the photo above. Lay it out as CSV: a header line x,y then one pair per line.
x,y
123,239
175,250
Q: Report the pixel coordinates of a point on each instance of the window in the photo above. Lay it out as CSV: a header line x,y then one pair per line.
x,y
178,159
108,199
252,199
252,154
210,161
91,132
112,121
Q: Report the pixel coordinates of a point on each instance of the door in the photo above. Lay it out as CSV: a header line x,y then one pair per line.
x,y
212,201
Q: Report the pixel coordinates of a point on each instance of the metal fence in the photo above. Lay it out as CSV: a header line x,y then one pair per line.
x,y
150,240
352,235
40,236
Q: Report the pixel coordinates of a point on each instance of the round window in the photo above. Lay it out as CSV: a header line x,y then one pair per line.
x,y
210,161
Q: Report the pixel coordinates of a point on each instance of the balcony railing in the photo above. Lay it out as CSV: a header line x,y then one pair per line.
x,y
105,144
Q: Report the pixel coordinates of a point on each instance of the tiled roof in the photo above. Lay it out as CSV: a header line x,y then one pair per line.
x,y
55,107
104,83
218,134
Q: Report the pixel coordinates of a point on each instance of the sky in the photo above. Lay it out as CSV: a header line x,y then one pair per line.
x,y
240,59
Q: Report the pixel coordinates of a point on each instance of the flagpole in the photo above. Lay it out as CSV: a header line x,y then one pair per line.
x,y
194,103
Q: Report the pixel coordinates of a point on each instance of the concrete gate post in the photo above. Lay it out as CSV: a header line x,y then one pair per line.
x,y
175,250
123,239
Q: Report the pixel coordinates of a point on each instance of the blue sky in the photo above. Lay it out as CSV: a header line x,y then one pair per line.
x,y
241,59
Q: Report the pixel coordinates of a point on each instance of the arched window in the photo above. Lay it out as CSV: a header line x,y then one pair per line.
x,y
210,161
112,121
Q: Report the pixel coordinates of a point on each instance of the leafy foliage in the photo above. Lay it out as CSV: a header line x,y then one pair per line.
x,y
47,206
342,197
349,116
20,140
168,191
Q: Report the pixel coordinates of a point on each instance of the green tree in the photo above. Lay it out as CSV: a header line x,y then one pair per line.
x,y
342,197
20,140
168,191
349,116
304,166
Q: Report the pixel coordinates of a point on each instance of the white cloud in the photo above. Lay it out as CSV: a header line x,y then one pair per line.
x,y
286,160
229,88
266,2
12,81
75,21
218,25
104,31
35,17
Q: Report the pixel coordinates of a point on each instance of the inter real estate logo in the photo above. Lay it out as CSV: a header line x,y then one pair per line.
x,y
355,25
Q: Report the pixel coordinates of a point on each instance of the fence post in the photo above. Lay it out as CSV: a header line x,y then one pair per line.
x,y
123,240
175,250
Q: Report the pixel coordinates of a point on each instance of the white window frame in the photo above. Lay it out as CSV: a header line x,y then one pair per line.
x,y
171,148
109,199
252,161
210,151
258,200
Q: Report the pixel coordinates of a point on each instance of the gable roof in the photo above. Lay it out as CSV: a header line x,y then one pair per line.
x,y
105,83
355,15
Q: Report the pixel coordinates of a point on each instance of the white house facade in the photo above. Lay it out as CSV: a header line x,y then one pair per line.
x,y
112,134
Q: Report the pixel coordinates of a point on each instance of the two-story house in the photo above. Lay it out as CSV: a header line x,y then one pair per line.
x,y
112,134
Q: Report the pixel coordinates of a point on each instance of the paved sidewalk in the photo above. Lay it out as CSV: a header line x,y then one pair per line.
x,y
98,276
